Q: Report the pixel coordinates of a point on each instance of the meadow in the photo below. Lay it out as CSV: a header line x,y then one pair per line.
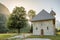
x,y
6,35
55,37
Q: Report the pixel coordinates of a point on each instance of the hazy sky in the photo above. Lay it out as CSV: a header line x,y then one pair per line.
x,y
36,5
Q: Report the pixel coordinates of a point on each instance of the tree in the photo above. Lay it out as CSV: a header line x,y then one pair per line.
x,y
17,19
31,14
31,30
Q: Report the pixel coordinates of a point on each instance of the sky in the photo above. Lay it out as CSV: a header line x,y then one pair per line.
x,y
36,5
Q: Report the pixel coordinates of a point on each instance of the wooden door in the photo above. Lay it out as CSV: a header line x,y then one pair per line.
x,y
42,32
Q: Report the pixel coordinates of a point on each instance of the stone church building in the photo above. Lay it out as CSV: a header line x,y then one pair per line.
x,y
44,23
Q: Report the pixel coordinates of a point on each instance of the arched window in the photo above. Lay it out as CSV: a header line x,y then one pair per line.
x,y
47,28
36,28
41,24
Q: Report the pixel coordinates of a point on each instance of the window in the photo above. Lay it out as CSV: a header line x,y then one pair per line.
x,y
36,28
41,24
47,28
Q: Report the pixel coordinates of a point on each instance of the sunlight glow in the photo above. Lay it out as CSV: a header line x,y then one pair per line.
x,y
36,5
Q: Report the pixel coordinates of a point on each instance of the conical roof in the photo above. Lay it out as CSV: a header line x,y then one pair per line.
x,y
43,15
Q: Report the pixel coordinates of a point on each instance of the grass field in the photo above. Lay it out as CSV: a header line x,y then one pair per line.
x,y
55,37
6,35
58,33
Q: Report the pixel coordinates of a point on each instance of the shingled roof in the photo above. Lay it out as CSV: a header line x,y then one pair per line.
x,y
43,15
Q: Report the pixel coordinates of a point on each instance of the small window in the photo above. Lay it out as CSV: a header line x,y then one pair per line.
x,y
41,24
47,28
36,28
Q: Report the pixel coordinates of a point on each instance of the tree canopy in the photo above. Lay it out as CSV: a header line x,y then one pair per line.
x,y
17,19
31,14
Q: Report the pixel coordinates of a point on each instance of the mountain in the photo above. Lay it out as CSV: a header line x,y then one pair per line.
x,y
58,24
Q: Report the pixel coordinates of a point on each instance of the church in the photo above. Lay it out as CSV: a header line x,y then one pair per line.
x,y
44,23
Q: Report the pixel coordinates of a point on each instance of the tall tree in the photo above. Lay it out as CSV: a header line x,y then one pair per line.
x,y
31,14
17,19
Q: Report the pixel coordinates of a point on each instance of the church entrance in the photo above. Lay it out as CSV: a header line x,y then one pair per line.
x,y
42,32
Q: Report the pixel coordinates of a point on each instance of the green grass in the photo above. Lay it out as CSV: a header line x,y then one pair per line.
x,y
58,33
4,36
56,37
8,35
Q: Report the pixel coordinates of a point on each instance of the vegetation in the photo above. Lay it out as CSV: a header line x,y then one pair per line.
x,y
17,19
31,14
57,37
25,29
31,30
57,30
58,33
17,22
5,36
52,37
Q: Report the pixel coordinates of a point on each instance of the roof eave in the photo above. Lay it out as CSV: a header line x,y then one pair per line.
x,y
41,20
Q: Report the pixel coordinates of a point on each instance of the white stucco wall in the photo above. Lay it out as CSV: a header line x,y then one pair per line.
x,y
43,25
